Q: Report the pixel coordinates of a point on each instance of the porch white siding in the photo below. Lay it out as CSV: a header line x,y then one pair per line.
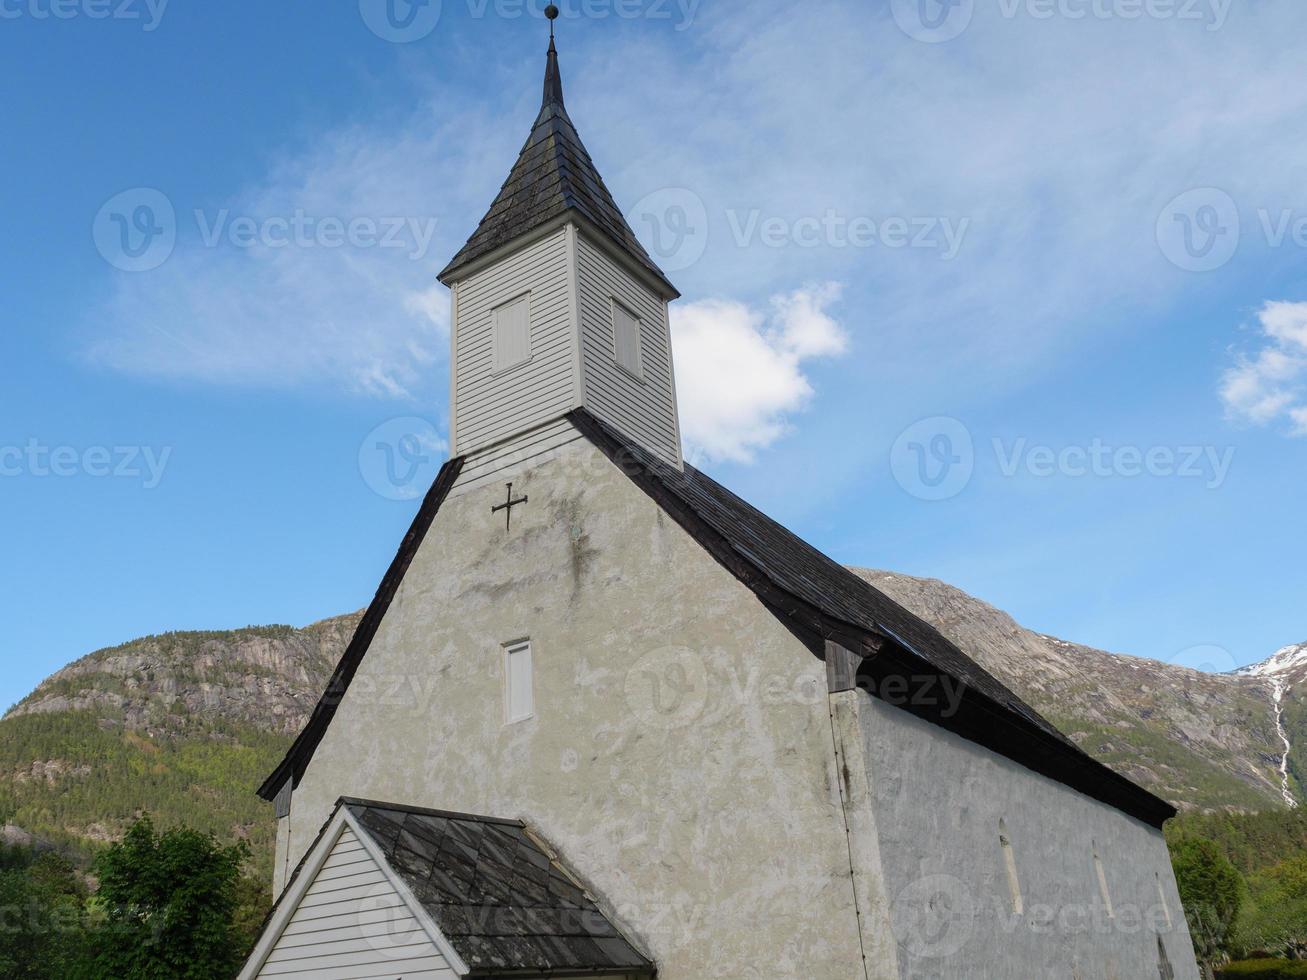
x,y
353,925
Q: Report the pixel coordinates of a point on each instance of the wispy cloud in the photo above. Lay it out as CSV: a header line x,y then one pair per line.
x,y
275,286
1270,385
1058,141
740,370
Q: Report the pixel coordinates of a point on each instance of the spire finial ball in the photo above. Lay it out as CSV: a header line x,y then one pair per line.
x,y
552,11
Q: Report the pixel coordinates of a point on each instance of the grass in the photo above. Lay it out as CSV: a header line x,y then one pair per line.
x,y
1263,970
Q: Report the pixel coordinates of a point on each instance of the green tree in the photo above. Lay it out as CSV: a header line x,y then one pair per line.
x,y
1276,917
41,915
167,905
1212,891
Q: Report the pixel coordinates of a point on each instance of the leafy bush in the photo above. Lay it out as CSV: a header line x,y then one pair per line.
x,y
1275,918
1263,970
1212,891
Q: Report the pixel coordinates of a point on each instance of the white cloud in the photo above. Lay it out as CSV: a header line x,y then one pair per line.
x,y
244,309
1271,385
739,371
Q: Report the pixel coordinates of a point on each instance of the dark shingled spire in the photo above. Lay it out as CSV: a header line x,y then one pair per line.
x,y
553,79
553,175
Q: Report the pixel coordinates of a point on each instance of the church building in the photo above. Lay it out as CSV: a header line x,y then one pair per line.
x,y
604,719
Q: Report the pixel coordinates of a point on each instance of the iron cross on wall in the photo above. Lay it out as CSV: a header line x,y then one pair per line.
x,y
507,507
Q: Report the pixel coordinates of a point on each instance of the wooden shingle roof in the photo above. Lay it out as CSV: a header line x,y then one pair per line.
x,y
504,902
821,602
553,176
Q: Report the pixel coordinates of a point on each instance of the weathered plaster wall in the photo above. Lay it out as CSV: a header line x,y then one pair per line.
x,y
938,800
681,756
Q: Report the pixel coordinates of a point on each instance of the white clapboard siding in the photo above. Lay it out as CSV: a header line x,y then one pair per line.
x,y
642,408
491,405
353,925
502,461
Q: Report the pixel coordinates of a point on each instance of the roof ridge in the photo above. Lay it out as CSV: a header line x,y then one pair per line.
x,y
421,811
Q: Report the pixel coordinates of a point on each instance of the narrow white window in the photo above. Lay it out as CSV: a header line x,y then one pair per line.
x,y
1010,864
519,683
626,339
1161,897
1102,883
512,331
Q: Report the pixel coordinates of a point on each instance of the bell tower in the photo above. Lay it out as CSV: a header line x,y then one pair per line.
x,y
557,306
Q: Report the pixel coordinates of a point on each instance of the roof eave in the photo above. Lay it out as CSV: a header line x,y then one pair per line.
x,y
1014,738
301,751
655,280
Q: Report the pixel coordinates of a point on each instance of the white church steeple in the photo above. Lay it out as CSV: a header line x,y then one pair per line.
x,y
557,306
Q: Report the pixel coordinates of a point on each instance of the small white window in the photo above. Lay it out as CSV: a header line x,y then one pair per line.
x,y
519,683
1102,883
626,339
1010,864
513,333
1161,897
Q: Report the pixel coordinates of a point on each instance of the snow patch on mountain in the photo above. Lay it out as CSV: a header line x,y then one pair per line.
x,y
1286,660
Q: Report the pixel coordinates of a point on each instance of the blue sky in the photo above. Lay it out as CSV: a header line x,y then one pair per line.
x,y
1019,287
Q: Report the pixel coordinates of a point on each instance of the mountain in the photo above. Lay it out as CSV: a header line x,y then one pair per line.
x,y
1204,741
185,725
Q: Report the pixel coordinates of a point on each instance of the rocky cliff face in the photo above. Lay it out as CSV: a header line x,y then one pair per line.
x,y
268,677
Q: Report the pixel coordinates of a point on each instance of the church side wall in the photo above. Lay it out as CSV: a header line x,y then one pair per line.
x,y
490,405
680,756
938,802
